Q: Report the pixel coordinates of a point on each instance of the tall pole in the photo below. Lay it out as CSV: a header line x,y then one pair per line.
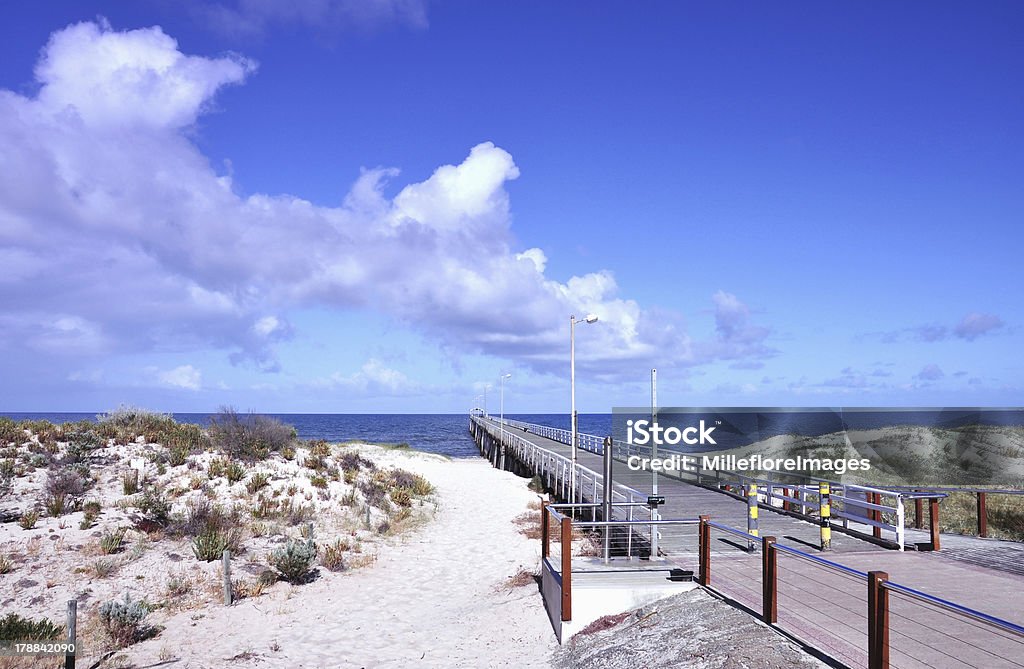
x,y
502,410
654,454
572,405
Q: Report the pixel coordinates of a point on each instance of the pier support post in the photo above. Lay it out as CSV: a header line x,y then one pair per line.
x,y
918,512
933,521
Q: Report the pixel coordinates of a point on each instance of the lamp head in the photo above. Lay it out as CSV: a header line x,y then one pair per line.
x,y
591,318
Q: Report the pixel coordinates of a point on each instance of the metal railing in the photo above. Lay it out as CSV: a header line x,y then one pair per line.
x,y
877,614
568,530
556,471
853,508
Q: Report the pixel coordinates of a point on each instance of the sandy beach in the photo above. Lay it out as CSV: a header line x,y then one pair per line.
x,y
433,598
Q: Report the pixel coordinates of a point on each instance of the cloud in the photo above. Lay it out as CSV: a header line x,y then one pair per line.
x,y
373,378
125,240
970,327
252,18
930,373
185,376
975,325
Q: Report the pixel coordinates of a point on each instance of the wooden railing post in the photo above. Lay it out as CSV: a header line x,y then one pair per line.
x,y
704,544
933,521
769,580
918,512
785,502
566,568
878,621
876,515
982,516
544,548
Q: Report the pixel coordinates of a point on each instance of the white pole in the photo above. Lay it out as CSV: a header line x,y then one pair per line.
x,y
572,404
654,454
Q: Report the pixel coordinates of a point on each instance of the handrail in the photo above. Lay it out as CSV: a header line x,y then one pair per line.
x,y
956,608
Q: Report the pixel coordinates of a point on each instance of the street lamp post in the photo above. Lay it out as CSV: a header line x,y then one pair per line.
x,y
591,318
502,409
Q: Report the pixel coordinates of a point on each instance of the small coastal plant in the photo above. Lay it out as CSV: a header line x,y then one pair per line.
x,y
103,567
111,542
333,556
257,481
294,560
124,621
6,565
154,505
28,520
210,544
130,482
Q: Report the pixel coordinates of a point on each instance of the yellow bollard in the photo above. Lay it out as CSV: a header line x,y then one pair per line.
x,y
825,513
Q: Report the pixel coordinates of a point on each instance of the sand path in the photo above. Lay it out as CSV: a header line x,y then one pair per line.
x,y
433,599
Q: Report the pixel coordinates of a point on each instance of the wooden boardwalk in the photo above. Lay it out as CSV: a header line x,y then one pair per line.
x,y
827,608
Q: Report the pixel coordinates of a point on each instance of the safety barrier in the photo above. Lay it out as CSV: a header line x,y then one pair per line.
x,y
869,511
924,636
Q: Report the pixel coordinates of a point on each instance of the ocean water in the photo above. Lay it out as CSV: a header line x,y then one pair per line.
x,y
448,434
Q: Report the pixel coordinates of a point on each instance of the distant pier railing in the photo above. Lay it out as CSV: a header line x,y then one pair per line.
x,y
871,512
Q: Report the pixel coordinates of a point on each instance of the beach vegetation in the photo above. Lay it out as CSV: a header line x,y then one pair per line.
x,y
210,544
130,482
249,437
102,567
112,541
333,555
6,564
178,586
319,448
257,481
293,561
124,621
13,626
62,488
318,481
154,505
28,519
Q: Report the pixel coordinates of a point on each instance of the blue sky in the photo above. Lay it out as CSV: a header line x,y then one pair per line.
x,y
341,206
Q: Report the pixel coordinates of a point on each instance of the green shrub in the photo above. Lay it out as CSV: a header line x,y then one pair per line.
x,y
414,483
318,481
62,487
210,544
13,626
6,566
154,505
124,621
250,437
11,432
28,520
294,560
234,472
110,542
319,448
401,497
257,481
